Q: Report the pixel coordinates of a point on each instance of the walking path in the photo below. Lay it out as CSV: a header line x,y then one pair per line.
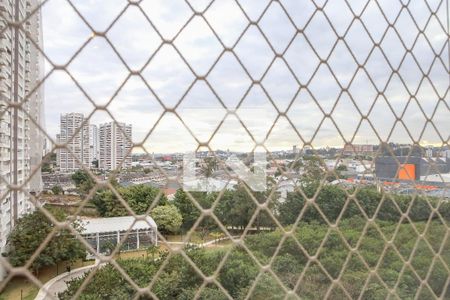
x,y
58,284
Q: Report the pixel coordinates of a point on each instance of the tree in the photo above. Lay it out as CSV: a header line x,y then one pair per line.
x,y
168,218
57,190
46,168
108,205
188,211
296,165
341,168
209,166
95,164
236,208
47,163
330,200
30,232
312,168
266,285
138,197
83,181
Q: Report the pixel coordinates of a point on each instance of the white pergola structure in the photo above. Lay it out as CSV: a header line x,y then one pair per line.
x,y
103,234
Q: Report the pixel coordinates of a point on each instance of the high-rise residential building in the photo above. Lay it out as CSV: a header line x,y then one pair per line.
x,y
93,143
21,112
74,135
115,145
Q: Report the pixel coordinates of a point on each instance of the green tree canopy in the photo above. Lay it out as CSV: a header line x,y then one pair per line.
x,y
189,211
57,190
178,280
167,217
83,181
138,197
30,232
235,208
331,199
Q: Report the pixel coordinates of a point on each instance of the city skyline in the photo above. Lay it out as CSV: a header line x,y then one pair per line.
x,y
94,151
169,77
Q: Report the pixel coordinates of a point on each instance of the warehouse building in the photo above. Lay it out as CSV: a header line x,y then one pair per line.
x,y
409,168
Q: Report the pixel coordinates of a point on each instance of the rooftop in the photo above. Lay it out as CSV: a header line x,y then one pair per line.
x,y
115,224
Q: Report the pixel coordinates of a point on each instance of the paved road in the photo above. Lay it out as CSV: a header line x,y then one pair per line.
x,y
58,284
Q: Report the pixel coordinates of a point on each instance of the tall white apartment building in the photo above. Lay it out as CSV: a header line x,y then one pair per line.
x,y
74,134
115,145
93,143
21,112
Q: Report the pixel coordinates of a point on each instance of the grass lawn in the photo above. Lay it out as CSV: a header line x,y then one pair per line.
x,y
195,238
18,286
132,254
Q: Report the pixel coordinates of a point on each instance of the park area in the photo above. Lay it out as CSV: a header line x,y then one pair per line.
x,y
370,246
238,268
23,288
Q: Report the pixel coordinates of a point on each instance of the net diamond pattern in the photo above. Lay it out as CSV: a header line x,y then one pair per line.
x,y
354,66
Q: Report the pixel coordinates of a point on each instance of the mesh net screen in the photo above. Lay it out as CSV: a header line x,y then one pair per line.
x,y
337,218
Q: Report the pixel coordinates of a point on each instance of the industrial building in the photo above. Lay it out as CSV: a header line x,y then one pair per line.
x,y
410,167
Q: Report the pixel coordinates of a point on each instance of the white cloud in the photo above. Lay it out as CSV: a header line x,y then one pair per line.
x,y
100,72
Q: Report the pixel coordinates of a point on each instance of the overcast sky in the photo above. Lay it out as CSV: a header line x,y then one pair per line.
x,y
285,81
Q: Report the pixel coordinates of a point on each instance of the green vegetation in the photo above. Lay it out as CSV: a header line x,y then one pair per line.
x,y
57,190
48,162
235,208
312,168
168,218
83,181
178,279
332,199
188,210
19,285
209,166
32,230
138,197
366,257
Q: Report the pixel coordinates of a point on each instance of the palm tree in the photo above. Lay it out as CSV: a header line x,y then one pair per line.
x,y
209,166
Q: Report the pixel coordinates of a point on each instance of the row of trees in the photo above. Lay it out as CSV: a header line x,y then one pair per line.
x,y
334,202
139,198
178,279
236,208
